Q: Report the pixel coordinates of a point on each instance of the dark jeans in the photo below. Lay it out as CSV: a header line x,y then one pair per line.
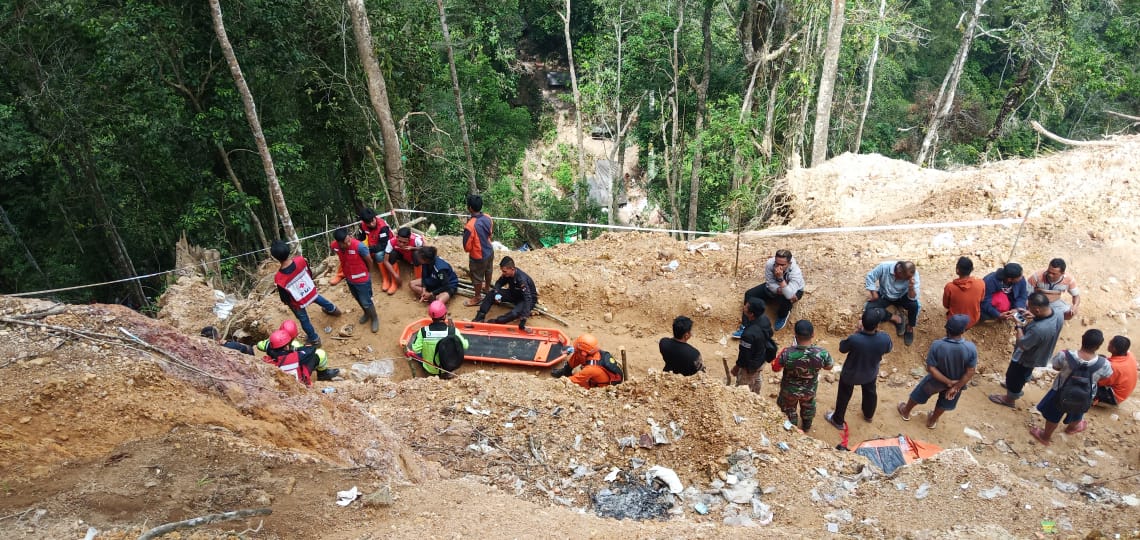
x,y
362,293
843,397
1105,395
1015,378
303,316
521,309
783,305
911,306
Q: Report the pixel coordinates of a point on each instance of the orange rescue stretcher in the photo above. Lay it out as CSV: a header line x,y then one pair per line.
x,y
501,343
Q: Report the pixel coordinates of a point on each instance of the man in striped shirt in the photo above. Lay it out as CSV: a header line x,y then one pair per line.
x,y
1052,282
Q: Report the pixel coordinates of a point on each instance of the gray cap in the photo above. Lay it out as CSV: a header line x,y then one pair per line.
x,y
956,325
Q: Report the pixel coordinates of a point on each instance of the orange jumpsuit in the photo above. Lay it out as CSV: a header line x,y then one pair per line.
x,y
591,375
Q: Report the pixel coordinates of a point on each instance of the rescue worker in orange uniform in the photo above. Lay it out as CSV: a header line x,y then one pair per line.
x,y
587,354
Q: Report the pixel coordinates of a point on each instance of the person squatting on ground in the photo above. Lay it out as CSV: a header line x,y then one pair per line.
x,y
1052,282
1006,293
950,364
297,290
801,364
212,333
756,346
353,257
426,340
477,243
513,286
783,284
895,283
437,280
598,366
964,294
1072,392
401,247
1037,335
864,349
680,357
376,234
1115,389
289,327
300,362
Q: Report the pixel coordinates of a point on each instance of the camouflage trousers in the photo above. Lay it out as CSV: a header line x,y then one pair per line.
x,y
790,401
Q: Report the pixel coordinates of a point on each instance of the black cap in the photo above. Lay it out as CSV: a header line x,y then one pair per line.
x,y
1011,270
804,328
956,325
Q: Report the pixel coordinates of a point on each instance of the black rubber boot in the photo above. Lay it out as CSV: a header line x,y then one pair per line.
x,y
375,319
364,317
561,371
336,312
327,374
479,317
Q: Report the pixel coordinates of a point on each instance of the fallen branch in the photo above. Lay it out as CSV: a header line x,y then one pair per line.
x,y
1053,136
204,520
54,310
1122,115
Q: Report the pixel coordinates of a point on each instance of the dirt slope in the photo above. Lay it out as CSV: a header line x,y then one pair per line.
x,y
98,433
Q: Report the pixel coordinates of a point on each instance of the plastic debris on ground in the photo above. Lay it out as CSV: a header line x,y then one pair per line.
x,y
922,492
345,498
224,304
667,476
632,500
377,369
993,493
973,433
613,474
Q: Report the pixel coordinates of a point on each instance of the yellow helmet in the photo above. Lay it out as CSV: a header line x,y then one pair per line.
x,y
587,344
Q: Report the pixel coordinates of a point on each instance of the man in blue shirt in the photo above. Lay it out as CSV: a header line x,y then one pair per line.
x,y
950,364
895,283
1006,293
438,281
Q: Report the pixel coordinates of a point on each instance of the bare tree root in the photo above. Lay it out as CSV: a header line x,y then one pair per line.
x,y
204,520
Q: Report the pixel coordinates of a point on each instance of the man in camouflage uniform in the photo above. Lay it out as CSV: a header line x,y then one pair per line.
x,y
801,365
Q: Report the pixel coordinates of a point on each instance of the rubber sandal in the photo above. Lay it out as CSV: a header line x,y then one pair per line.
x,y
832,422
472,302
1074,429
1039,434
900,407
930,425
1000,400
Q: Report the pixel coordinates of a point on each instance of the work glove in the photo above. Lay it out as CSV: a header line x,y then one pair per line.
x,y
561,371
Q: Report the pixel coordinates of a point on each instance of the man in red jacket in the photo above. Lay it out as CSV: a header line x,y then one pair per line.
x,y
353,256
296,288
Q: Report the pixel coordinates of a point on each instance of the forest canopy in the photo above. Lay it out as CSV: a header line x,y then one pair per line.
x,y
123,124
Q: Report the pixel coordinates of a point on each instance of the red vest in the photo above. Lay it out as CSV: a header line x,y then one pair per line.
x,y
414,241
351,264
291,363
373,235
298,286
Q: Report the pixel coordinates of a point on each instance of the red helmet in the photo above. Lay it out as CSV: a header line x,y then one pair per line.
x,y
437,310
289,327
587,344
278,339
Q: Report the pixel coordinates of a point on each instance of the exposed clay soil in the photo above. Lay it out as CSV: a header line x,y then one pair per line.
x,y
99,432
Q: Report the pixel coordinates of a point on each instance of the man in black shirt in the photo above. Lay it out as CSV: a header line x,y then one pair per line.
x,y
756,346
680,357
513,286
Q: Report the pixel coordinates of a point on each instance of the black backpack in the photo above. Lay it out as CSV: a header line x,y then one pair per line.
x,y
1076,393
607,361
448,351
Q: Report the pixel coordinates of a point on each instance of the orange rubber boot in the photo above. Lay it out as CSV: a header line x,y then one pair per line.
x,y
395,279
338,277
385,279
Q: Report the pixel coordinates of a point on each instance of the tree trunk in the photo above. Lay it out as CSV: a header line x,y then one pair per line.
x,y
674,172
254,124
827,83
577,101
378,97
945,100
16,236
1012,98
797,121
702,103
617,177
870,80
237,185
472,185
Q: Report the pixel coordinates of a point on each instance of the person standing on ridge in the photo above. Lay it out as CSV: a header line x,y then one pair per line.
x,y
756,346
297,290
477,243
783,284
353,256
1038,329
